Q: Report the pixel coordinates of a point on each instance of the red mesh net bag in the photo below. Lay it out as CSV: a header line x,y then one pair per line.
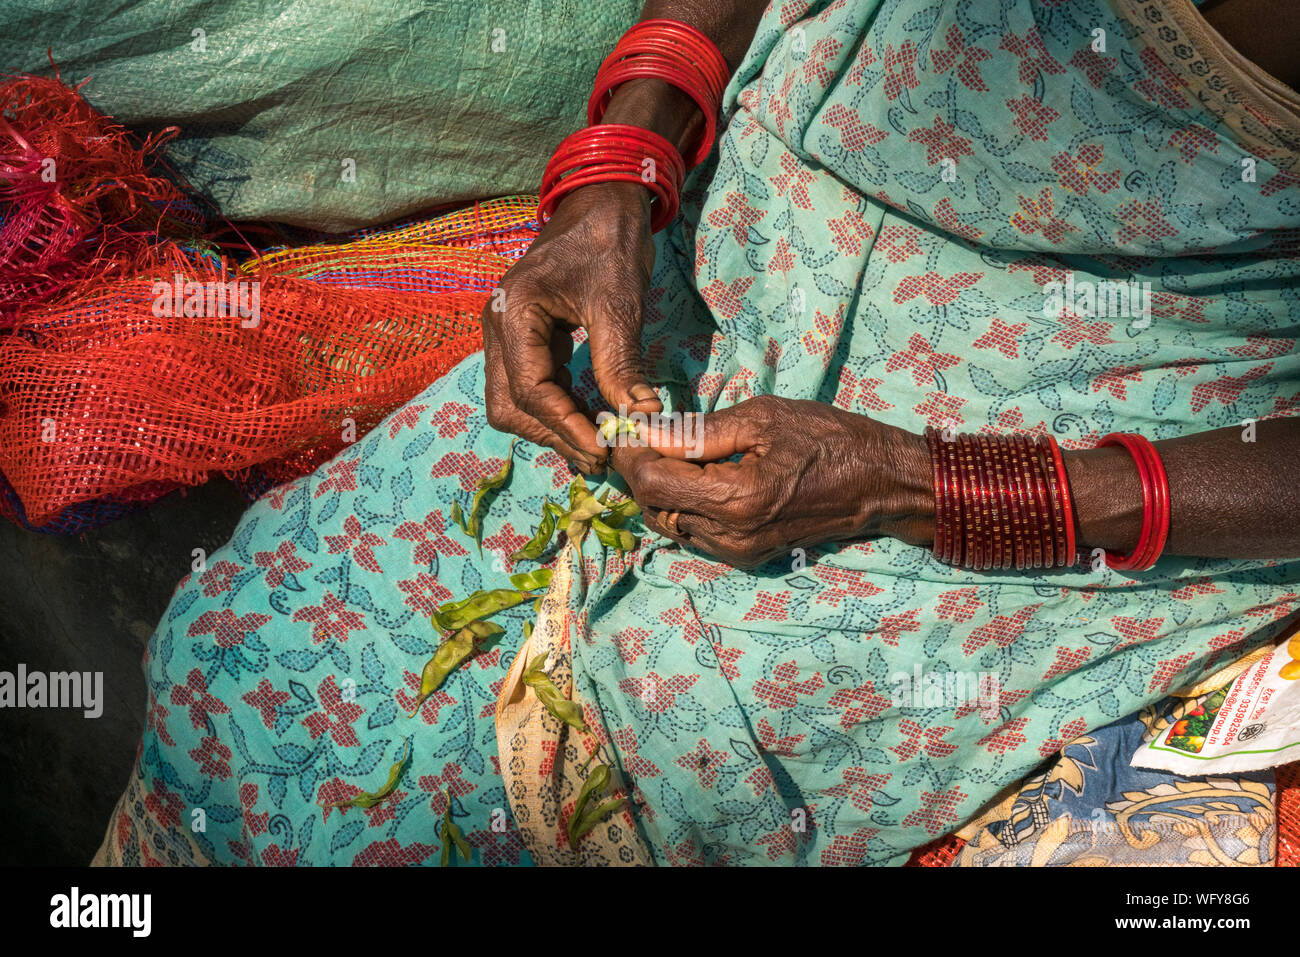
x,y
938,853
134,359
116,393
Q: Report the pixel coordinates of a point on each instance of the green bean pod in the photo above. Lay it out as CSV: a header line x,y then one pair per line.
x,y
570,712
551,513
539,579
473,525
582,820
449,656
619,539
367,799
449,835
455,615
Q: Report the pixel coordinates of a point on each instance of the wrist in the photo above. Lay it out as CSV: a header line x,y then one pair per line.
x,y
1107,498
903,504
659,107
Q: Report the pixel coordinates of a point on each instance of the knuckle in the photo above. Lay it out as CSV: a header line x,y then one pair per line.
x,y
497,415
621,306
767,407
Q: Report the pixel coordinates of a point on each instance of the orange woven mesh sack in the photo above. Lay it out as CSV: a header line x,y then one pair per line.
x,y
116,392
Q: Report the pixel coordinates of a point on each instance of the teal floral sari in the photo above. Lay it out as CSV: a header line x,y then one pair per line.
x,y
896,188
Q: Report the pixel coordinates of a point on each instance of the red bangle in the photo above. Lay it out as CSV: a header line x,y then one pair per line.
x,y
615,143
1067,503
1155,503
973,545
1163,505
676,53
1042,501
1001,513
942,520
615,153
1019,510
1033,512
992,527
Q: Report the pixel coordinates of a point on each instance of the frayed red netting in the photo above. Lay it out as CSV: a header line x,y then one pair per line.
x,y
76,198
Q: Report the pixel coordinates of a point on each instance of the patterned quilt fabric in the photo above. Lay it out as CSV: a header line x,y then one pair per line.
x,y
896,185
1089,807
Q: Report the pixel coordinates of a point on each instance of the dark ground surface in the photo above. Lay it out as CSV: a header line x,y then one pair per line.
x,y
88,603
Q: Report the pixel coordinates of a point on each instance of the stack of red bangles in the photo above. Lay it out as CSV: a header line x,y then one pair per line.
x,y
667,50
1155,503
1003,501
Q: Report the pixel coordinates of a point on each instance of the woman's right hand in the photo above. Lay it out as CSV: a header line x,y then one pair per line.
x,y
589,267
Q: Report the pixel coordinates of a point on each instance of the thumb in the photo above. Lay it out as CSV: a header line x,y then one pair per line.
x,y
707,436
616,359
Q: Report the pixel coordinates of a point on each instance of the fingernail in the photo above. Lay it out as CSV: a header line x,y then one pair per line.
x,y
642,393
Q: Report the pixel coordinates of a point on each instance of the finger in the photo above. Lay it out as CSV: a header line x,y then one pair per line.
x,y
504,416
668,483
703,533
530,370
707,436
656,521
614,329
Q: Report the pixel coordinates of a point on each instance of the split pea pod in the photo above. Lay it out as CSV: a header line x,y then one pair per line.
x,y
615,426
568,711
367,799
619,539
449,656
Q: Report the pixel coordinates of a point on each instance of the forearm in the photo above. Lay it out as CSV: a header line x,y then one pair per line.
x,y
1229,498
657,106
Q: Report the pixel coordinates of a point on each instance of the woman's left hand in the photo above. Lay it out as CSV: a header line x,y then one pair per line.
x,y
808,473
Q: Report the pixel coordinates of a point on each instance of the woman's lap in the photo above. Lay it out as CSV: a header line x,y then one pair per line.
x,y
281,677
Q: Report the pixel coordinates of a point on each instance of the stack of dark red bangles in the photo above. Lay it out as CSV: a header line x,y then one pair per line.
x,y
666,50
1003,501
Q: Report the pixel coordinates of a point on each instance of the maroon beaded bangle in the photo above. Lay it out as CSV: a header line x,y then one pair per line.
x,y
961,522
997,540
972,499
999,501
1016,496
1034,507
1054,494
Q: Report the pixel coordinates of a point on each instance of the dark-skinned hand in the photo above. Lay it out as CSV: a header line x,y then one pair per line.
x,y
589,267
808,473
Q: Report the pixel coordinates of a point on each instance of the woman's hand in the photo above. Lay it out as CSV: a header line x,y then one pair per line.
x,y
808,473
589,267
